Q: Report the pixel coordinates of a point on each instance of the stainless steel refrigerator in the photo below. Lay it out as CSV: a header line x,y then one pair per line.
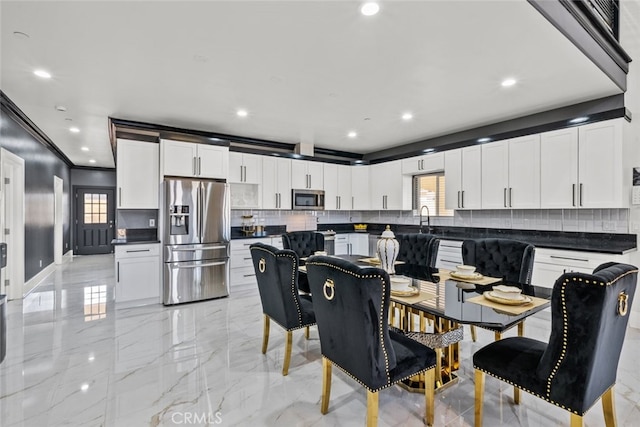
x,y
197,229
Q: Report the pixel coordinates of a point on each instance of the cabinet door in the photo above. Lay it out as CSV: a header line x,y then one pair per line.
x,y
359,243
330,186
137,278
600,165
412,165
495,175
316,176
559,169
283,183
236,171
360,199
179,158
269,186
453,178
137,174
341,244
471,197
299,174
524,173
391,175
213,161
344,187
252,168
377,188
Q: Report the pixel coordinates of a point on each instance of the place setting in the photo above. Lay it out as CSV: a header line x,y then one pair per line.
x,y
467,273
507,300
402,290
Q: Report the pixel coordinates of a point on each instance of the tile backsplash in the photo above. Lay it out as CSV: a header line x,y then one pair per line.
x,y
136,218
584,220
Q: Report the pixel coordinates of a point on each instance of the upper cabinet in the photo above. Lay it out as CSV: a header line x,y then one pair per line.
x,y
423,164
583,167
276,183
245,168
511,173
306,175
463,178
137,174
194,160
360,195
387,191
337,187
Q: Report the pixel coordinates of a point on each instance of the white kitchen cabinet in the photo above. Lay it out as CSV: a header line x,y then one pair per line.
x,y
337,187
276,183
550,264
341,244
245,168
463,177
137,174
360,193
137,274
511,173
387,190
352,244
449,254
427,163
306,175
242,274
194,160
583,167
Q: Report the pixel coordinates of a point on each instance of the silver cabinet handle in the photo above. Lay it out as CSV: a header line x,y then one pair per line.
x,y
209,264
205,248
580,194
568,258
240,173
199,166
139,250
510,197
462,193
504,196
193,166
353,202
119,196
118,272
458,198
573,194
419,168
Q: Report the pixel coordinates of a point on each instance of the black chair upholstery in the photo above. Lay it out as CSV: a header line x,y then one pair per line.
x,y
507,259
304,243
277,275
589,316
418,249
351,305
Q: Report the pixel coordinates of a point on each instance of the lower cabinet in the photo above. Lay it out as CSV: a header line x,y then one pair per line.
x,y
137,274
352,244
242,274
449,254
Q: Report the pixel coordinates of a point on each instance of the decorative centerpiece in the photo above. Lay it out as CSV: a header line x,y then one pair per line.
x,y
248,225
388,248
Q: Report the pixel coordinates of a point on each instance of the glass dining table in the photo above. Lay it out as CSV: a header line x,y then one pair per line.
x,y
446,307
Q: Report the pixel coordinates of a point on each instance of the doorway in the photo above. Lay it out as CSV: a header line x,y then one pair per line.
x,y
58,188
12,222
94,218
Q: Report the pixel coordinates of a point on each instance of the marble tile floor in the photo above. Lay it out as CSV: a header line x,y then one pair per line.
x,y
74,359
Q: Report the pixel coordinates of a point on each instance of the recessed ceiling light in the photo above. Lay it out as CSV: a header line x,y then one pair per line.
x,y
370,8
358,161
352,134
84,387
484,139
85,148
91,161
61,108
42,74
579,120
428,150
407,116
242,113
508,82
74,129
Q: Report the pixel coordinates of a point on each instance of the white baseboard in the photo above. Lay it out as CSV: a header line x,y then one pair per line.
x,y
32,283
68,254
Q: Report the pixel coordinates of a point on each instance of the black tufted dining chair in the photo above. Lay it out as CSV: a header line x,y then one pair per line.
x,y
589,316
351,305
277,275
418,249
305,244
510,260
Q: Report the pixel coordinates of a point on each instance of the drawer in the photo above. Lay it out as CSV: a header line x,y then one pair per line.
x,y
241,259
242,276
135,251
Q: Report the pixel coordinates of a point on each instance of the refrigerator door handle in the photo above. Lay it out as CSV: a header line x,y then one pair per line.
x,y
204,248
209,264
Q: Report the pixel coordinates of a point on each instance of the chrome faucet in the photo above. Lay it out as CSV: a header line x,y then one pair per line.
x,y
428,219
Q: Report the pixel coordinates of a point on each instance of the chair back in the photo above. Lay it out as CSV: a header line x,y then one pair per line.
x,y
510,260
589,316
303,243
351,306
418,249
277,275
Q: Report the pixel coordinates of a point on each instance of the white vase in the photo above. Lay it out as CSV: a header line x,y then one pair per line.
x,y
388,248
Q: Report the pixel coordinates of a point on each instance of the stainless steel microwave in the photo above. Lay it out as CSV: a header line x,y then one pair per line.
x,y
307,200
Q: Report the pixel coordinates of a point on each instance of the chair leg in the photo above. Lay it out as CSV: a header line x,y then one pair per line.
x,y
429,392
326,385
287,354
479,379
306,332
372,408
473,333
576,421
516,395
521,329
609,407
438,375
265,334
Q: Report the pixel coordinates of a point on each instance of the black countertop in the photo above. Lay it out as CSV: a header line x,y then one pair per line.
x,y
565,240
270,231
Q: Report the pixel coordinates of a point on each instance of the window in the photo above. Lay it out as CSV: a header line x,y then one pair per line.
x,y
428,190
95,208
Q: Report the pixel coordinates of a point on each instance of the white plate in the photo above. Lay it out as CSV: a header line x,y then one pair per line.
x,y
400,283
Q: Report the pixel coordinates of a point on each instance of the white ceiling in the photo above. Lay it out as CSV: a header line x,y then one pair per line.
x,y
305,71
